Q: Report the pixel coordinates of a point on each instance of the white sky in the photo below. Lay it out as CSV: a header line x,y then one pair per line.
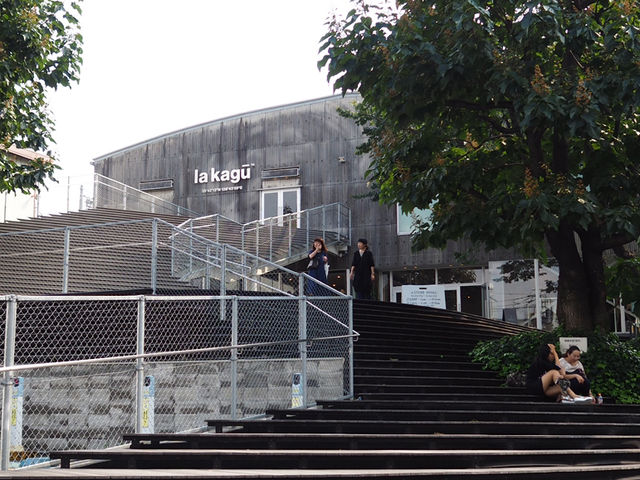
x,y
155,66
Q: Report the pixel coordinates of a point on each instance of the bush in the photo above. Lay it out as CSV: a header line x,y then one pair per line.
x,y
612,364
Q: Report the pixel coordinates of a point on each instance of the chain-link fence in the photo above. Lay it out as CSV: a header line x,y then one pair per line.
x,y
80,371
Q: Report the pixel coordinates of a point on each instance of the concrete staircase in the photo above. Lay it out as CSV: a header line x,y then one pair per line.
x,y
422,409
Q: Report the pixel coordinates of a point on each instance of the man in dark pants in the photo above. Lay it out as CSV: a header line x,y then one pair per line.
x,y
362,270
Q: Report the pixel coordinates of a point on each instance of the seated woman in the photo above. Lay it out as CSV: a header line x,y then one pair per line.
x,y
574,372
545,377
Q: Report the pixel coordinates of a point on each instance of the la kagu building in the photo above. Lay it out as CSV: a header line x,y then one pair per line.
x,y
300,156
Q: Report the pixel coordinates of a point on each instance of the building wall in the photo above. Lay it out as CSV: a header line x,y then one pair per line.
x,y
310,135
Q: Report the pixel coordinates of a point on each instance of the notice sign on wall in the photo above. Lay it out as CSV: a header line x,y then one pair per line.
x,y
424,295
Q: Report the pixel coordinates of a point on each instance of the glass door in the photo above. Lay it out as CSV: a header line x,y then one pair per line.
x,y
276,203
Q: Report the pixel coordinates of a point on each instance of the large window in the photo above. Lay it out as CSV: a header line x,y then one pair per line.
x,y
406,221
280,202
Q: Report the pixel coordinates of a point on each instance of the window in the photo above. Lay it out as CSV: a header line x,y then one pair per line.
x,y
406,221
280,202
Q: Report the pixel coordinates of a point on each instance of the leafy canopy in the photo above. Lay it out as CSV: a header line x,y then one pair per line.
x,y
40,48
506,118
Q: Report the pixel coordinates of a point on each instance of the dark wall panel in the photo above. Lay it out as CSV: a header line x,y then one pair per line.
x,y
311,135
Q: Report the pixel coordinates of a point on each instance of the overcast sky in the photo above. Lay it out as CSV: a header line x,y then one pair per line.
x,y
155,66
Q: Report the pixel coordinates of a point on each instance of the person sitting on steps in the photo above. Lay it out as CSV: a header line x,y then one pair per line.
x,y
574,372
545,377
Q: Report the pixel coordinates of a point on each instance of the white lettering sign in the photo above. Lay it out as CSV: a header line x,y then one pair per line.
x,y
566,342
217,176
424,295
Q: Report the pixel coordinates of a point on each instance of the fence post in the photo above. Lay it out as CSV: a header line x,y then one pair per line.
x,y
234,357
351,389
7,383
302,346
140,364
324,221
65,260
154,255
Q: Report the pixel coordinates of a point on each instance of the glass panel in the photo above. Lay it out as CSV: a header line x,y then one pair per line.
x,y
414,277
289,202
269,204
451,299
456,275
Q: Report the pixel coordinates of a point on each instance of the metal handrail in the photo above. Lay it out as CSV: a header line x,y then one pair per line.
x,y
128,189
88,361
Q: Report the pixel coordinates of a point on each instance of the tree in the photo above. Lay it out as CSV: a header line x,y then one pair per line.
x,y
515,122
40,48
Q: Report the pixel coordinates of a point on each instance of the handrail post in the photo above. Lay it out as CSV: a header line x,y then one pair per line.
x,y
234,357
324,221
349,226
65,260
95,190
308,239
270,242
351,388
339,223
290,235
7,383
191,245
154,255
207,278
140,364
302,346
223,275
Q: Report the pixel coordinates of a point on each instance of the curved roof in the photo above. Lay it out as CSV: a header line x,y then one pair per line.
x,y
224,119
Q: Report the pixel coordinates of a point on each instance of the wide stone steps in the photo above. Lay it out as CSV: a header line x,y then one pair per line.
x,y
364,441
421,410
345,459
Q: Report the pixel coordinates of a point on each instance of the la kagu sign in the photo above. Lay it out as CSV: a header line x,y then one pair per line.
x,y
217,177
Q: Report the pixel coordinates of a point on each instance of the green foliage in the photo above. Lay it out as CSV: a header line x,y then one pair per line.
x,y
40,48
515,122
623,277
612,364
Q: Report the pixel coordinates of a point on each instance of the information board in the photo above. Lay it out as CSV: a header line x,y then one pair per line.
x,y
424,295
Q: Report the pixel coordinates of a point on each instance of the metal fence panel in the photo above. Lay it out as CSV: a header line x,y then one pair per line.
x,y
79,366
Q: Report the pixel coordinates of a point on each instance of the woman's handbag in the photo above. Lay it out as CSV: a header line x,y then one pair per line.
x,y
313,263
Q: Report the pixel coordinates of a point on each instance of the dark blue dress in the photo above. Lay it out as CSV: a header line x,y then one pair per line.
x,y
319,274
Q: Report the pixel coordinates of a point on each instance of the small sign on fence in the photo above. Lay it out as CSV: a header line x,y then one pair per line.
x,y
296,391
148,404
17,404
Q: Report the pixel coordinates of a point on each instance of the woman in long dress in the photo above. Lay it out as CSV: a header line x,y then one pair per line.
x,y
317,260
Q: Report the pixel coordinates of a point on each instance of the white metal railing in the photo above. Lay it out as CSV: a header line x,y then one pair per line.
x,y
84,192
78,386
279,239
624,321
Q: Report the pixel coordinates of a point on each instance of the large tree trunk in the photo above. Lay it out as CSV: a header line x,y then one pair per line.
x,y
594,269
574,311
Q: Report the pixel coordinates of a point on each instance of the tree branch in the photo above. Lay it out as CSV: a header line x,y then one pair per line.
x,y
616,241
